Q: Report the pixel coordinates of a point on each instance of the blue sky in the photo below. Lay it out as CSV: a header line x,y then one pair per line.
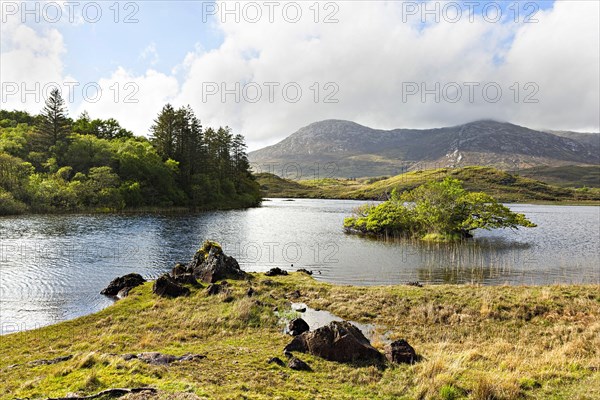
x,y
172,28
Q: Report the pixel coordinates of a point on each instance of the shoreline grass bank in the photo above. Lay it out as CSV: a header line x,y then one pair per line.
x,y
477,342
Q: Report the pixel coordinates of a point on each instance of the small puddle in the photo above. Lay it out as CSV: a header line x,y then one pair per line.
x,y
318,318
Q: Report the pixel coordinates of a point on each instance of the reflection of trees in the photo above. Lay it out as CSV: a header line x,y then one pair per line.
x,y
478,261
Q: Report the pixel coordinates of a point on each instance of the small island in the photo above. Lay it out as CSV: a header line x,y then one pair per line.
x,y
435,211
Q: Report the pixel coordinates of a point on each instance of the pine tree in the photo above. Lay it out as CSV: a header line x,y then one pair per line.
x,y
163,132
54,126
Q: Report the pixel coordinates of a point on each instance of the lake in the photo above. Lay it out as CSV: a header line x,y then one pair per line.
x,y
52,267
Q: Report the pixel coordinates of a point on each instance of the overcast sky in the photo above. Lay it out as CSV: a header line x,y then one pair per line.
x,y
382,64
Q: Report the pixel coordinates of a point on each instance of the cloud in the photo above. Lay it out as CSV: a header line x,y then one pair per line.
x,y
29,60
150,54
133,100
367,63
373,59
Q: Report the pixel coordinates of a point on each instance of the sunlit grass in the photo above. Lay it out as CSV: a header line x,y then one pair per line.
x,y
498,342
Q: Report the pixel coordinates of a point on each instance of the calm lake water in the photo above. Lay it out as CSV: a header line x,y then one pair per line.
x,y
52,267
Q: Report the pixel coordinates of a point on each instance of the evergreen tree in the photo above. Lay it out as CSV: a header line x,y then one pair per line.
x,y
163,132
54,126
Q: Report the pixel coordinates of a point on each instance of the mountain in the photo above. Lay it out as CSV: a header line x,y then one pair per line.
x,y
337,148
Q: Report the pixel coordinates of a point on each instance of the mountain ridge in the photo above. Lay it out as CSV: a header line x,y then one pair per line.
x,y
345,148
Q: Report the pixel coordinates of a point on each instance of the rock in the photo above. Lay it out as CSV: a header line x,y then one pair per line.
x,y
166,286
180,269
214,289
276,360
339,341
122,282
184,275
297,364
295,294
186,279
297,326
162,359
400,352
123,292
250,292
210,264
276,271
416,284
305,271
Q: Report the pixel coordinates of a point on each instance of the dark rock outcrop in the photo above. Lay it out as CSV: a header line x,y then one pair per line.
x,y
123,292
214,289
123,282
276,272
400,352
297,326
339,341
276,360
186,279
180,269
305,271
297,364
166,286
184,275
210,264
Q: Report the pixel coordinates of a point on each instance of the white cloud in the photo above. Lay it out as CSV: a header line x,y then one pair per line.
x,y
29,59
370,55
133,100
150,54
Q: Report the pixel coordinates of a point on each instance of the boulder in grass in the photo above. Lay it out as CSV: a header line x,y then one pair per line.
x,y
122,285
339,341
165,286
298,365
400,352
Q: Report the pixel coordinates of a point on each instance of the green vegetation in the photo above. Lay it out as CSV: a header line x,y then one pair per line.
x,y
436,211
566,176
497,342
504,186
49,163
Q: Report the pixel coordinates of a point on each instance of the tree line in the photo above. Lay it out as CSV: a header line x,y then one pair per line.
x,y
50,162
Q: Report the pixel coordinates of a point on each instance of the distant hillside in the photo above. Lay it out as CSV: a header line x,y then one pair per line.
x,y
336,148
502,185
566,176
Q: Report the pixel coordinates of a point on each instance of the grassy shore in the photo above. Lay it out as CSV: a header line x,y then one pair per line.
x,y
502,185
476,342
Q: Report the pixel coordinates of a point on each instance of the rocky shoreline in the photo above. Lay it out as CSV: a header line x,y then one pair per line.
x,y
339,341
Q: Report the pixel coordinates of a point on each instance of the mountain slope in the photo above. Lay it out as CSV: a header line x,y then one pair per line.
x,y
502,185
337,148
